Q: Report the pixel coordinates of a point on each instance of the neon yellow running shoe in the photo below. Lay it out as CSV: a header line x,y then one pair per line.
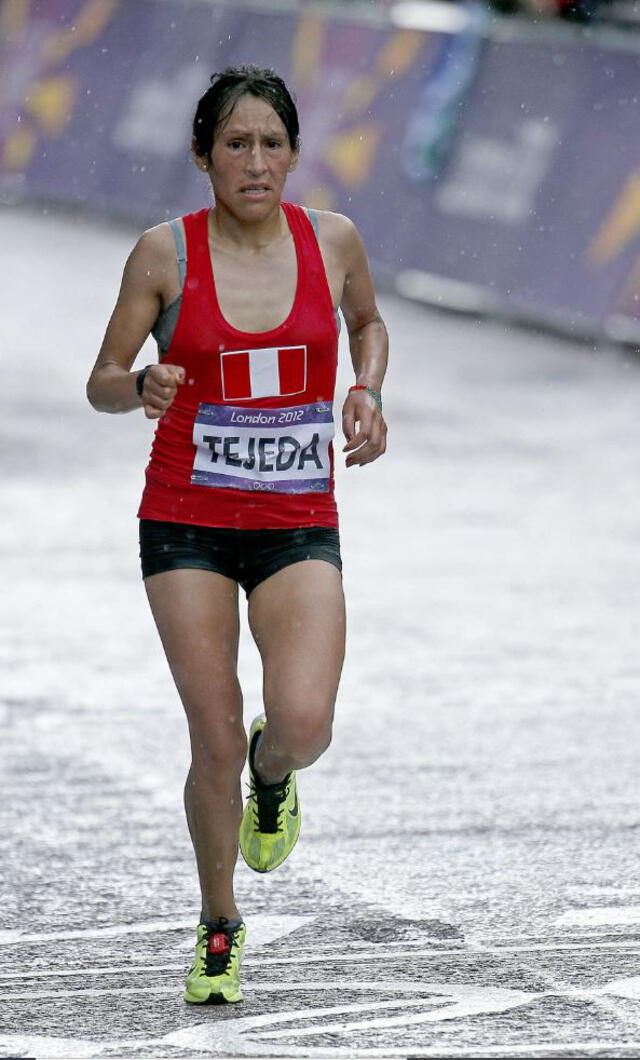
x,y
214,976
271,819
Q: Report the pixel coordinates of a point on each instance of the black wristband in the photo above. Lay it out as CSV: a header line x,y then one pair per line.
x,y
140,380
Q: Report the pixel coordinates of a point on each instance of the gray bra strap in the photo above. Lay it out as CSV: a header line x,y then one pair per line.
x,y
181,250
313,217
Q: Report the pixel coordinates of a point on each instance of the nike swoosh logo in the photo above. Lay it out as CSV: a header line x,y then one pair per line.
x,y
294,810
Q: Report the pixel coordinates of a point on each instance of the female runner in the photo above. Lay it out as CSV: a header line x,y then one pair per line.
x,y
241,298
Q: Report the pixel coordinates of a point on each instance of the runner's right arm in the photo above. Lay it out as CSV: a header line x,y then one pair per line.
x,y
112,384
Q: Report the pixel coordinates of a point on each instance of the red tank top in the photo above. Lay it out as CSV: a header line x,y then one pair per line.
x,y
246,442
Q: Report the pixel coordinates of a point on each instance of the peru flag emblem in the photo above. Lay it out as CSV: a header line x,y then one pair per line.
x,y
270,372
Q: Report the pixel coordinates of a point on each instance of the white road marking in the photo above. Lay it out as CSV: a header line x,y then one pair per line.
x,y
113,970
629,914
52,1048
451,1001
456,1001
277,986
108,991
585,890
63,1048
624,988
444,1002
263,928
552,946
235,1036
333,957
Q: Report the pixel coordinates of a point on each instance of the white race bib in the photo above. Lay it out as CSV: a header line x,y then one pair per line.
x,y
279,450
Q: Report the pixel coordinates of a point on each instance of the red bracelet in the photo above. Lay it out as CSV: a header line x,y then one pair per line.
x,y
374,393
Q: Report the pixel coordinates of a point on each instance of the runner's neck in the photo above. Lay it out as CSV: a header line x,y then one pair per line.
x,y
225,228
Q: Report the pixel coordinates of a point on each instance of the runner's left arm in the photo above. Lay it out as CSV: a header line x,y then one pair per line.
x,y
362,420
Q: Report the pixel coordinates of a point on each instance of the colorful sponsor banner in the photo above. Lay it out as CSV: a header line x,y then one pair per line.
x,y
511,167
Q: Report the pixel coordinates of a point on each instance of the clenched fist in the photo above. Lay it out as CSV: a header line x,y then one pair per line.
x,y
159,388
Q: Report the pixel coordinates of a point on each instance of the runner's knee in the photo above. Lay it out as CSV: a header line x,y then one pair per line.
x,y
218,752
305,737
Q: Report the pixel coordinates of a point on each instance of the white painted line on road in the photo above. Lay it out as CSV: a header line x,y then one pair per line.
x,y
263,928
612,914
63,1048
586,935
553,1049
553,946
446,1002
52,1048
451,1001
114,970
375,955
457,1002
624,988
348,958
148,927
308,985
115,991
584,890
336,957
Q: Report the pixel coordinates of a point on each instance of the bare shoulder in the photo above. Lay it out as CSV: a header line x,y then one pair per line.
x,y
156,244
341,241
337,228
152,262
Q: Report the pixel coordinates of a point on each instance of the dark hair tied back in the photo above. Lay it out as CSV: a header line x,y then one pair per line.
x,y
227,87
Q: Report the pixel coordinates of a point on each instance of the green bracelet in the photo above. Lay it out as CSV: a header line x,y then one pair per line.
x,y
374,393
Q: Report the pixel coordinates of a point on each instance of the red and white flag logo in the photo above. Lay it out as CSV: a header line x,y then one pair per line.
x,y
270,372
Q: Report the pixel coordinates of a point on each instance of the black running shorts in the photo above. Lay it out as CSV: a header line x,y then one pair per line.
x,y
246,556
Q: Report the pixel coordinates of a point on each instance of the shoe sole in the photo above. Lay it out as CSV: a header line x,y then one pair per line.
x,y
214,999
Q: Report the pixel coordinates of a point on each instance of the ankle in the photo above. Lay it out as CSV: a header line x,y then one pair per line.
x,y
261,771
267,781
214,920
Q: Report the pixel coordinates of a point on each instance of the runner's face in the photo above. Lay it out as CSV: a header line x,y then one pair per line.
x,y
250,159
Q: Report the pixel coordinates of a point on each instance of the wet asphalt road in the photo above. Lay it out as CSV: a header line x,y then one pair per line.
x,y
467,879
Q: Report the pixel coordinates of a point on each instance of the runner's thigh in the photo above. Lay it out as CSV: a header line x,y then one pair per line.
x,y
297,618
196,612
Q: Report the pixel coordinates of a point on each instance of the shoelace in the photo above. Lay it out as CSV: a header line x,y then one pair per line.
x,y
269,801
219,947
